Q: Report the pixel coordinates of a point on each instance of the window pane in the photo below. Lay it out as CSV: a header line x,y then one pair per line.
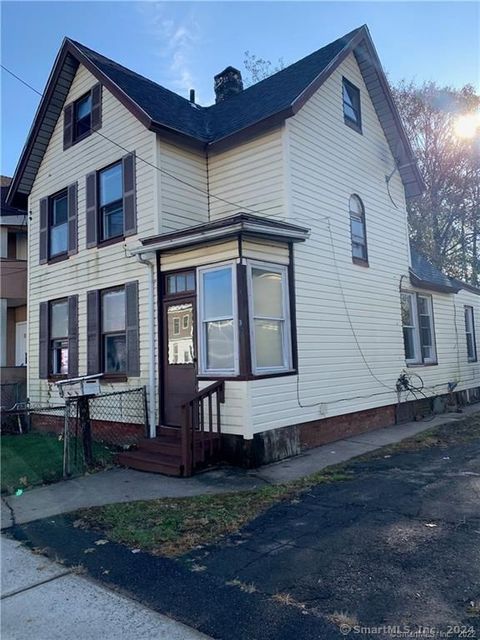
x,y
470,346
422,305
359,250
358,229
407,316
84,107
181,283
356,206
113,220
349,112
191,281
217,293
269,343
59,319
351,100
219,344
409,343
111,185
59,210
60,357
115,354
267,293
171,288
180,338
58,239
113,311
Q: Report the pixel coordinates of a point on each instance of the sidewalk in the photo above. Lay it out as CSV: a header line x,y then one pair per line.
x,y
125,485
47,601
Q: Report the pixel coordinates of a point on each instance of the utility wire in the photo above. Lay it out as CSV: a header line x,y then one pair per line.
x,y
206,192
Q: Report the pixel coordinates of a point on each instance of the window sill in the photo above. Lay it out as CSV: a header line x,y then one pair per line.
x,y
360,262
422,364
82,137
60,258
114,377
55,378
107,243
353,125
472,360
249,376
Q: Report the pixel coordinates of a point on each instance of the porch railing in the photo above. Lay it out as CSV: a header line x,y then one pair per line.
x,y
201,426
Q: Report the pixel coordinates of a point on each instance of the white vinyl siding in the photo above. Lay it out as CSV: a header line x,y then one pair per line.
x,y
90,268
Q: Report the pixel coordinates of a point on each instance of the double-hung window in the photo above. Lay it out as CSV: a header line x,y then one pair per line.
x,y
58,227
269,318
470,334
58,334
218,323
110,185
113,321
351,105
418,328
82,117
358,230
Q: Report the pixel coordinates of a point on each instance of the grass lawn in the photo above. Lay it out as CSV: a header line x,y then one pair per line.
x,y
174,526
33,459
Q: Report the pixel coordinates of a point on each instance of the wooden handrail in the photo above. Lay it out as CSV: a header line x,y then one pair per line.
x,y
194,422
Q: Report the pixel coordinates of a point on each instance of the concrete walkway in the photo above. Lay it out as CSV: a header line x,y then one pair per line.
x,y
124,485
47,601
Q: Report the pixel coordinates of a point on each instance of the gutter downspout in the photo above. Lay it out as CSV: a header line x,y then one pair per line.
x,y
152,414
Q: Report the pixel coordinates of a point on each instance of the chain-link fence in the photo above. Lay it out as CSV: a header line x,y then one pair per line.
x,y
98,427
85,433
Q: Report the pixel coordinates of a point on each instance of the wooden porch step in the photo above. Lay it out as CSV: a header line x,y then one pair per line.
x,y
154,462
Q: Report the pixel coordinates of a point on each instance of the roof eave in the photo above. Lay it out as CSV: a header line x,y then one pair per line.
x,y
431,286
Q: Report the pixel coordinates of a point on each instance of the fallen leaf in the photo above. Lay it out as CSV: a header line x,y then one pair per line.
x,y
430,524
89,550
106,572
136,550
102,541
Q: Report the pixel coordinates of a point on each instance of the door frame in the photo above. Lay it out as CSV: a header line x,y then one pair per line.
x,y
163,299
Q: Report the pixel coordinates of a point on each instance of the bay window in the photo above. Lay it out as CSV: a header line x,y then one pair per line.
x,y
269,318
418,328
218,324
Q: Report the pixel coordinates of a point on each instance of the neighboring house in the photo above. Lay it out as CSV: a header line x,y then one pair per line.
x,y
261,241
13,299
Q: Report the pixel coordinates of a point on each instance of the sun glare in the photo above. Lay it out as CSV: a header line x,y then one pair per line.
x,y
467,126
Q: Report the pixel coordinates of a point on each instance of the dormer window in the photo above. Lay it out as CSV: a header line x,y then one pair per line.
x,y
82,116
351,106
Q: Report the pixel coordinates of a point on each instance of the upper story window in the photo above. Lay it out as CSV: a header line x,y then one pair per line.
x,y
358,230
82,117
470,334
58,227
269,318
59,337
110,183
113,329
111,210
351,105
218,320
418,328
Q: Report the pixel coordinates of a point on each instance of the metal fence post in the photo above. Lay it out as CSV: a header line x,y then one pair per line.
x,y
66,436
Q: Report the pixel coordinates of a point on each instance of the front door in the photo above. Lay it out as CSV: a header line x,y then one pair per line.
x,y
20,344
179,368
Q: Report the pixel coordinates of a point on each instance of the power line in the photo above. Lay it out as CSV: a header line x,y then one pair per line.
x,y
206,192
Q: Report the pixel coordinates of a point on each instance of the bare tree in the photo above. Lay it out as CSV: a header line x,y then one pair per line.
x,y
259,69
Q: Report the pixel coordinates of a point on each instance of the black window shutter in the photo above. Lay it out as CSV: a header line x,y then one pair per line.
x,y
43,230
72,219
96,120
43,340
93,332
73,336
91,213
68,126
129,196
132,331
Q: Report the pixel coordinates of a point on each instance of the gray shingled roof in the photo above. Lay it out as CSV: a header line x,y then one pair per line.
x,y
256,103
424,273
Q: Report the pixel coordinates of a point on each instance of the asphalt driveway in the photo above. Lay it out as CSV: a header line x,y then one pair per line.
x,y
397,545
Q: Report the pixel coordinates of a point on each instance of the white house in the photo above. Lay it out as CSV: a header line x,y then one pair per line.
x,y
272,223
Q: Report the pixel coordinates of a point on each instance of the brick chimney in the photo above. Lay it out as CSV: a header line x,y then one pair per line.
x,y
227,83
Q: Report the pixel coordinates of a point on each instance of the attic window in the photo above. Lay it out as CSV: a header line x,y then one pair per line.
x,y
351,106
83,116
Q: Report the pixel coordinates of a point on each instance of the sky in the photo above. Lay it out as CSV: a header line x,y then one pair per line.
x,y
182,45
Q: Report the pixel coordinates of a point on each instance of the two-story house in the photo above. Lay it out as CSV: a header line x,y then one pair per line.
x,y
261,242
13,300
